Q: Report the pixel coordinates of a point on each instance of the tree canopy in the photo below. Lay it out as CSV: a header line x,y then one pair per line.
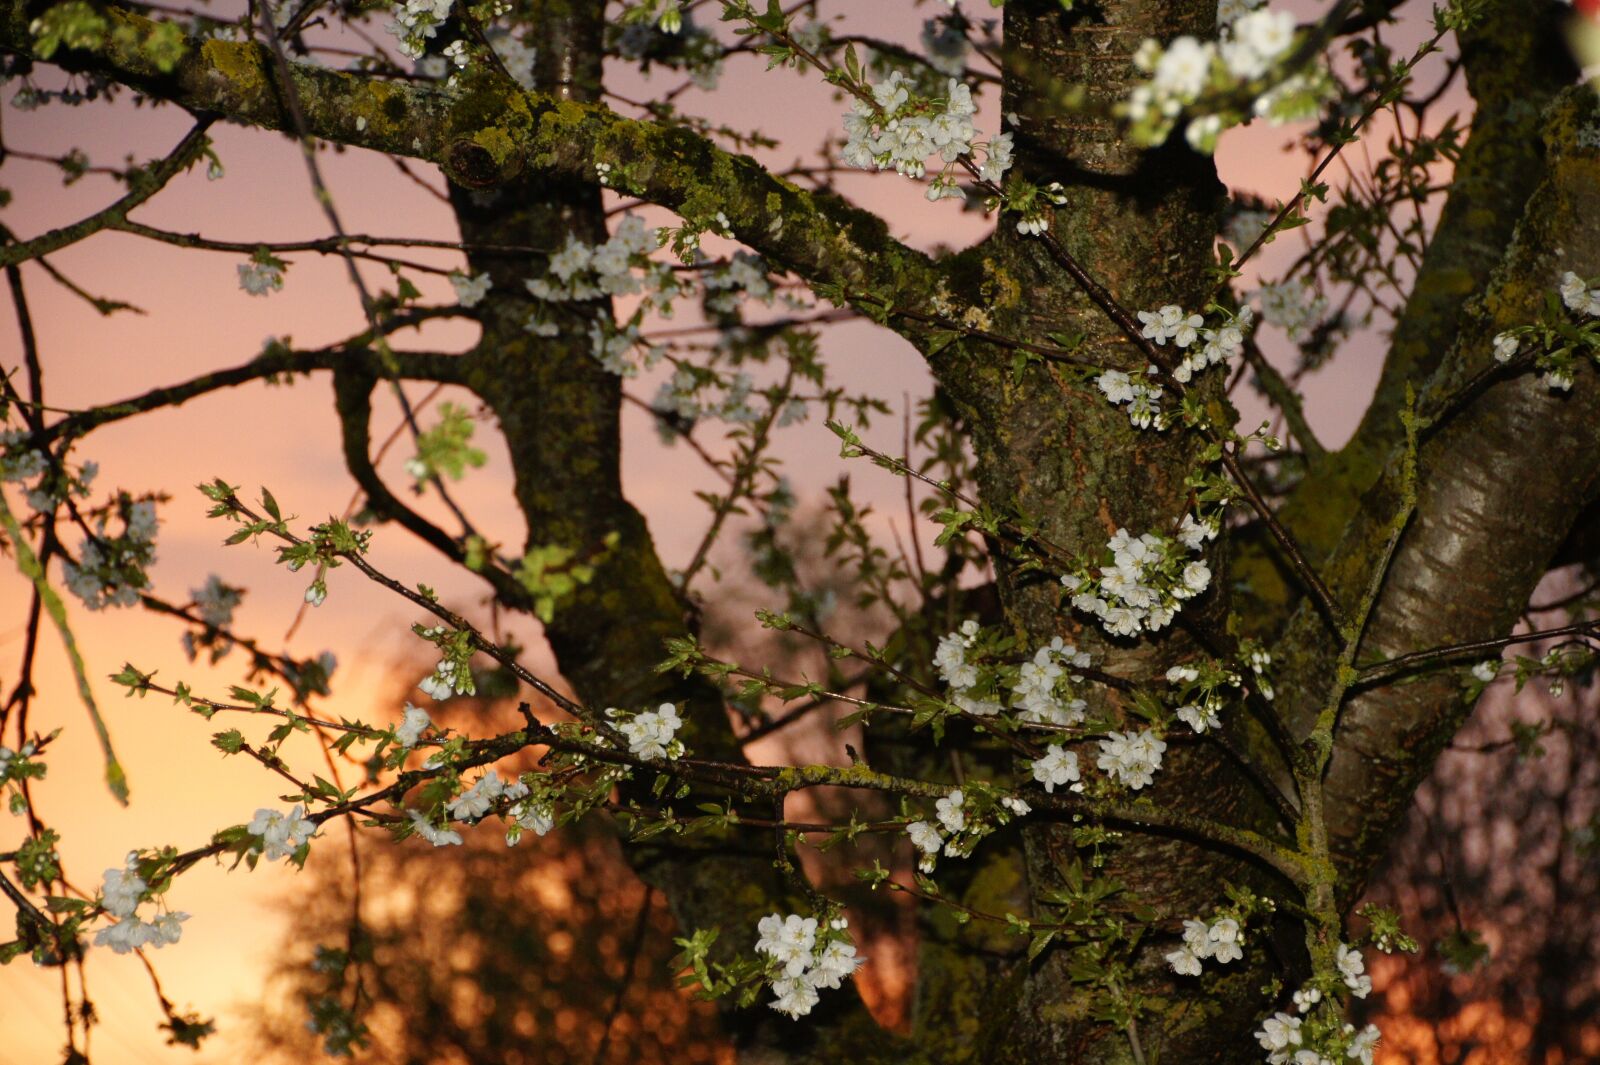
x,y
1129,732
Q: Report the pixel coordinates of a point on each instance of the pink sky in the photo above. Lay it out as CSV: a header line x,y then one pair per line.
x,y
286,438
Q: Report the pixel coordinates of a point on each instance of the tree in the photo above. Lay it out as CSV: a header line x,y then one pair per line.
x,y
1148,768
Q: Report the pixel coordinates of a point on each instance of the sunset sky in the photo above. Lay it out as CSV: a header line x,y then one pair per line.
x,y
198,319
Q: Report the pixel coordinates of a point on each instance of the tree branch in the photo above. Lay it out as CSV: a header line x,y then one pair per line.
x,y
487,134
413,365
142,185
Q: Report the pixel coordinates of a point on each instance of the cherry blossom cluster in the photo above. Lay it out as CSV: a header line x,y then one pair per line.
x,y
453,674
674,42
744,277
1202,346
110,570
1041,692
448,678
581,271
1200,77
515,800
1315,1034
1221,941
651,734
1293,306
21,461
1141,394
1289,1040
262,275
686,395
514,54
1556,345
962,822
414,722
214,601
1354,970
439,835
416,22
900,129
121,892
800,962
1146,582
1058,768
1202,687
961,673
18,461
469,289
1131,758
281,834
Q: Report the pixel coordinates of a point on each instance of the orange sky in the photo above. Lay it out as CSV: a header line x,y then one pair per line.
x,y
286,438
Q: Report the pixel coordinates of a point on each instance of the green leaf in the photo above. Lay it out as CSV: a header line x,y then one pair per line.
x,y
229,742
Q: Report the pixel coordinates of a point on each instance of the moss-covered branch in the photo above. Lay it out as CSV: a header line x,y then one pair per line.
x,y
1501,483
1515,63
488,133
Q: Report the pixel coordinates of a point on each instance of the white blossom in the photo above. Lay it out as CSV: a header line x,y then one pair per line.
x,y
19,462
836,962
1184,962
414,723
477,800
1353,968
537,817
215,601
281,834
1019,807
128,934
470,290
1193,534
169,927
1578,296
1293,306
1362,1043
1505,347
788,941
439,837
1279,1032
122,888
1199,717
1058,766
259,278
436,687
1132,758
1226,940
796,997
650,734
1182,69
1257,40
951,814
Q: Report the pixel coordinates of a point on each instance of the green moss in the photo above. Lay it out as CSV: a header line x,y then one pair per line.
x,y
240,64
